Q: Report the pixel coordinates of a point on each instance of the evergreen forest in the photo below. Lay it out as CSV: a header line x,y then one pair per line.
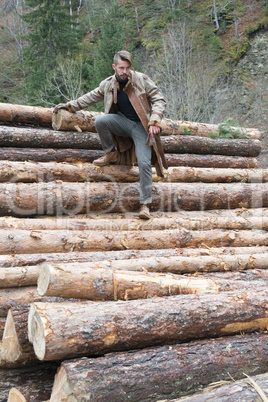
x,y
56,50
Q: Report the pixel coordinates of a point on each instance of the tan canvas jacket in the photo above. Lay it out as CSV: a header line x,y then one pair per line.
x,y
148,103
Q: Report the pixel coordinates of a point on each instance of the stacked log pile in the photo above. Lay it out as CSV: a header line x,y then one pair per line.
x,y
119,308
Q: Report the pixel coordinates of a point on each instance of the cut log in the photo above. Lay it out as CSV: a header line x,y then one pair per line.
x,y
216,161
12,113
29,172
57,199
12,277
85,121
46,138
13,297
215,219
2,327
16,347
251,388
39,377
95,328
220,146
56,241
108,284
87,155
181,368
23,260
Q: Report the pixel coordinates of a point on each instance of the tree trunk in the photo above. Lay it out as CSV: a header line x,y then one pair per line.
x,y
181,368
35,378
46,138
215,161
95,328
57,199
220,146
240,218
22,260
12,277
39,116
248,389
89,155
110,284
85,121
15,345
29,172
55,241
83,155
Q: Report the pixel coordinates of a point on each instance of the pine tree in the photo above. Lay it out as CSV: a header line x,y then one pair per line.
x,y
52,31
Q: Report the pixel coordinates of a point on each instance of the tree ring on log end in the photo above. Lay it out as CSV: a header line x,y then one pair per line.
x,y
38,336
43,279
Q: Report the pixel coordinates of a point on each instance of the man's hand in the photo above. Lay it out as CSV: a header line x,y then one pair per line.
x,y
154,130
60,106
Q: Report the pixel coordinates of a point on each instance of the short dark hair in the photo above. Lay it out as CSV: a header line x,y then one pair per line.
x,y
124,55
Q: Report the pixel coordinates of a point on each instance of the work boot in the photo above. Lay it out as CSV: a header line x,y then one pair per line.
x,y
106,159
144,212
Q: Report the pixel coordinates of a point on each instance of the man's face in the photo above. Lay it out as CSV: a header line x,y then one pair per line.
x,y
122,69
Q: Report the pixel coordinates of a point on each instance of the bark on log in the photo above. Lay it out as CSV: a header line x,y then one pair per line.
x,y
110,284
16,347
56,241
30,172
85,121
181,368
46,138
36,377
95,328
241,219
252,388
13,277
2,327
89,155
57,199
13,297
12,113
23,260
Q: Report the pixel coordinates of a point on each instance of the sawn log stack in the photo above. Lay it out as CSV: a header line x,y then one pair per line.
x,y
180,300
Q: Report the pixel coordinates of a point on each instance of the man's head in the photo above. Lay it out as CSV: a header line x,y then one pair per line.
x,y
123,63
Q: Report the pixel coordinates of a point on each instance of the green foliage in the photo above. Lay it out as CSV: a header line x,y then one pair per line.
x,y
213,43
186,131
227,130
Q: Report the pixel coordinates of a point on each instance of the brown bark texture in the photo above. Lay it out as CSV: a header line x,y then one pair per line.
x,y
30,172
15,344
35,378
57,199
46,138
12,113
108,284
12,277
55,241
89,155
182,369
23,260
248,389
85,120
2,327
95,328
85,155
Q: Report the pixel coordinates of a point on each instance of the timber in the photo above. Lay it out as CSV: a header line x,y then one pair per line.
x,y
2,326
12,113
15,344
23,260
108,284
29,172
96,328
84,121
249,388
89,155
12,277
56,241
53,198
47,138
210,360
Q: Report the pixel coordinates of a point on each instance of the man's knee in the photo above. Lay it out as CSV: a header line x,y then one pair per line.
x,y
100,121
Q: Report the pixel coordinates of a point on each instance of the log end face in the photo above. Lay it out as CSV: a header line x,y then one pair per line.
x,y
38,336
57,120
15,396
43,279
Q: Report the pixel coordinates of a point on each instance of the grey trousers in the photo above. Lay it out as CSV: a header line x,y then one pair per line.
x,y
118,124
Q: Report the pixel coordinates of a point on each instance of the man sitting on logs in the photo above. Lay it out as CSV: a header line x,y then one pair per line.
x,y
134,107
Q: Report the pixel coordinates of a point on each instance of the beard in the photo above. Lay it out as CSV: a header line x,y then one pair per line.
x,y
122,78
